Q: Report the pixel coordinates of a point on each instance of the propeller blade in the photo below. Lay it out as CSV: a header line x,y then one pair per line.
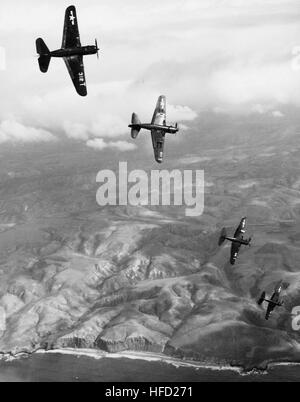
x,y
96,43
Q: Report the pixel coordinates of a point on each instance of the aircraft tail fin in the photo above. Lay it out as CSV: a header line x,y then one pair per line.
x,y
45,55
135,122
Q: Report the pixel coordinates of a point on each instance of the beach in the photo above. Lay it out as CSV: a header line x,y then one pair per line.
x,y
73,365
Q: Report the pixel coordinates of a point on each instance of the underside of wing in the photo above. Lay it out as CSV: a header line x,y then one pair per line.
x,y
76,70
71,37
237,233
159,116
234,251
158,141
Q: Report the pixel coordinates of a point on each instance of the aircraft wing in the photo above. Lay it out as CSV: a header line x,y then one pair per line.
x,y
240,229
71,37
278,287
76,70
159,116
235,248
158,141
232,239
270,308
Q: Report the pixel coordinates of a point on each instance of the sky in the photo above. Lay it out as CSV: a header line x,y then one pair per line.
x,y
222,56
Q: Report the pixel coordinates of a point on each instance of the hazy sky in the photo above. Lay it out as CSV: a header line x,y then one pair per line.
x,y
226,56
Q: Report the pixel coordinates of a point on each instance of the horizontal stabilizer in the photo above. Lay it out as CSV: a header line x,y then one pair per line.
x,y
135,119
44,62
222,237
45,55
41,47
262,298
135,123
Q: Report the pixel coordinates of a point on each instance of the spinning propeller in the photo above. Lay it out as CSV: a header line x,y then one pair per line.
x,y
96,44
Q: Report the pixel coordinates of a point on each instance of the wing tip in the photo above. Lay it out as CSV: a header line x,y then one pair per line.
x,y
82,93
69,9
72,7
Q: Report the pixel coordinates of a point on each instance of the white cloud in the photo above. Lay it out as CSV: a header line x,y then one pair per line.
x,y
109,125
123,146
99,144
181,113
260,109
277,113
224,55
12,131
105,113
261,82
76,131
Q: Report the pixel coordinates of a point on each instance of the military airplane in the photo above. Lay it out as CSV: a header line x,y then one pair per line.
x,y
237,241
274,301
158,128
72,52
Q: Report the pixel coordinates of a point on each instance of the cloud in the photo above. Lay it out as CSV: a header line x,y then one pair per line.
x,y
181,113
260,109
12,131
75,131
277,113
99,144
221,55
266,109
260,82
109,125
105,113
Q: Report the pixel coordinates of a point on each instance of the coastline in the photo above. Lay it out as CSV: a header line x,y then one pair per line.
x,y
98,354
151,357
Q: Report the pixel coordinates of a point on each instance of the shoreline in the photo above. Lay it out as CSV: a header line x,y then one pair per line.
x,y
152,357
149,357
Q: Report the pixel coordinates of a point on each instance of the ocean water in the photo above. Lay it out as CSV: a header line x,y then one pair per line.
x,y
56,367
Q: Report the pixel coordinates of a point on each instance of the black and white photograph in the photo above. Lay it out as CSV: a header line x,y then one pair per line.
x,y
149,193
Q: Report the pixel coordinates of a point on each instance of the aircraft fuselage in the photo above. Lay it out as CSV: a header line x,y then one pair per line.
x,y
274,301
158,132
156,127
77,51
238,240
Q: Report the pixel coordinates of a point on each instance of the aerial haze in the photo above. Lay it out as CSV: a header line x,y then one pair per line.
x,y
121,278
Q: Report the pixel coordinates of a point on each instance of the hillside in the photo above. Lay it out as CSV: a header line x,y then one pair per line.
x,y
73,274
